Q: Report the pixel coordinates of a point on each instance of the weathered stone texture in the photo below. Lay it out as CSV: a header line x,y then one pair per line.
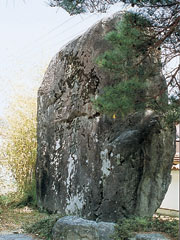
x,y
75,228
89,164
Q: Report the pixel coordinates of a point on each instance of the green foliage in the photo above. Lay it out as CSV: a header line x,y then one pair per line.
x,y
6,200
19,199
122,99
126,228
130,42
20,144
27,197
43,228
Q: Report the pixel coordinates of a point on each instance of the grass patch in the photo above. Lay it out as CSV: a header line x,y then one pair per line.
x,y
17,200
127,228
12,219
5,200
43,227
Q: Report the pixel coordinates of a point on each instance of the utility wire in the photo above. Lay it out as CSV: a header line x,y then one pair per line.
x,y
30,47
26,47
66,40
29,52
57,43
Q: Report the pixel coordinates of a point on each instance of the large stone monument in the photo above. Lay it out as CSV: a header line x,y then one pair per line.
x,y
89,164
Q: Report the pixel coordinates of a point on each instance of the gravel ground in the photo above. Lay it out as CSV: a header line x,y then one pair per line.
x,y
14,236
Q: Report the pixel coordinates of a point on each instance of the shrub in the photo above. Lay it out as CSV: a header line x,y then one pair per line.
x,y
19,143
43,228
126,228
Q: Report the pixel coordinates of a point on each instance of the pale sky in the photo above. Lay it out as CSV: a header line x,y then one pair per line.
x,y
31,34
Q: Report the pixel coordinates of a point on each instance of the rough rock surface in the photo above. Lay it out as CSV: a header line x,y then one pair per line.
x,y
72,227
88,164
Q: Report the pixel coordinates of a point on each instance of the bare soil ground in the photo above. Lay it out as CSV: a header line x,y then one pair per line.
x,y
12,219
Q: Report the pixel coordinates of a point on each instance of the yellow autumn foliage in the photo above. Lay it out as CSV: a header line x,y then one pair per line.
x,y
20,144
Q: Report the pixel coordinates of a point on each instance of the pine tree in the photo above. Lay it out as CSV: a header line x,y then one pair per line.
x,y
129,46
129,60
